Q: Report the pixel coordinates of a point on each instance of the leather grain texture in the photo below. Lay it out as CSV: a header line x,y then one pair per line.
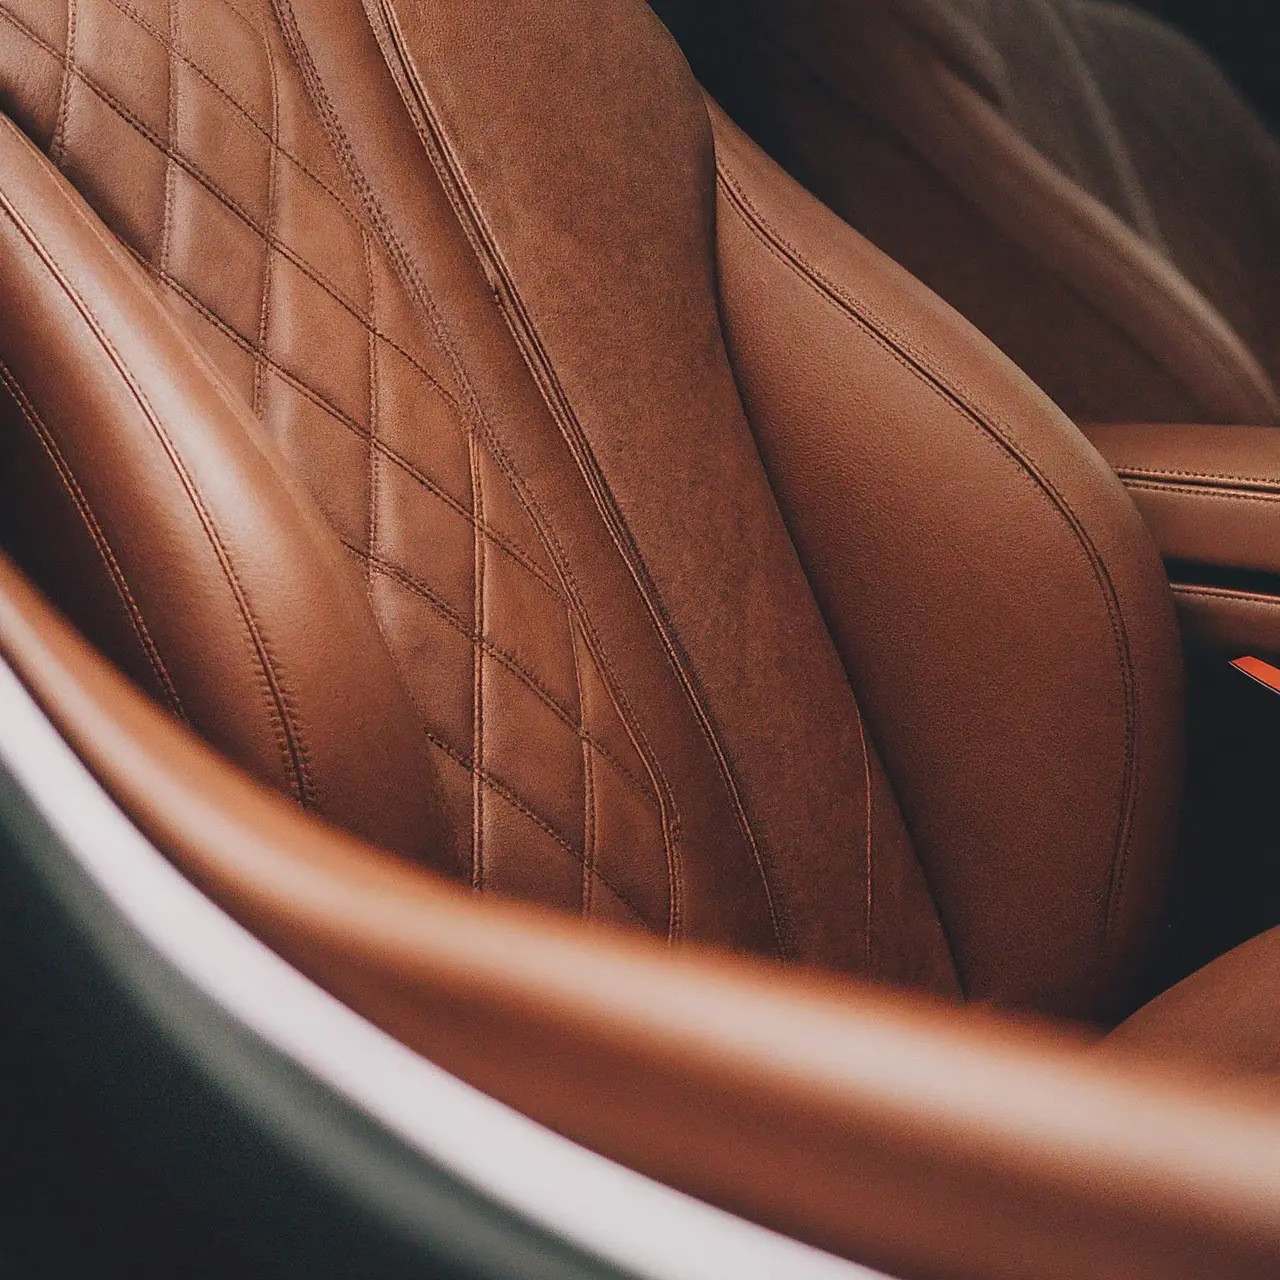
x,y
484,326
142,489
632,707
1000,609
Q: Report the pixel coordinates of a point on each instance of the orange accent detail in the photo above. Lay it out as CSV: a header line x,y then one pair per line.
x,y
1263,672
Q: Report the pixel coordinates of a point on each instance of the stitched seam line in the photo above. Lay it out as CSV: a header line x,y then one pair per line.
x,y
371,528
280,712
920,368
410,278
264,316
516,803
1203,492
868,947
508,660
588,798
178,50
1270,483
478,655
194,171
58,145
320,401
170,174
119,582
1225,593
6,15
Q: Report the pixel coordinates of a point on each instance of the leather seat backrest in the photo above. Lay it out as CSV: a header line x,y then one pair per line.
x,y
1074,177
464,269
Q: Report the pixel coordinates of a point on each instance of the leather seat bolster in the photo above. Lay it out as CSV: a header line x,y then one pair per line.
x,y
969,551
138,485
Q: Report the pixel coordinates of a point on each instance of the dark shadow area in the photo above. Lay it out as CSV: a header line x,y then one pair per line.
x,y
1242,36
1227,888
71,1204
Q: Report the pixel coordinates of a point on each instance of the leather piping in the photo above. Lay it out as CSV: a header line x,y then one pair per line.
x,y
921,367
137,622
1206,492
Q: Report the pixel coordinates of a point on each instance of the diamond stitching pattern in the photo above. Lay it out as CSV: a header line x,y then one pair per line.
x,y
308,321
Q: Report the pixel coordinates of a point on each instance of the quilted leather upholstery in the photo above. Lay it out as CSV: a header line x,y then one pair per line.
x,y
189,129
498,335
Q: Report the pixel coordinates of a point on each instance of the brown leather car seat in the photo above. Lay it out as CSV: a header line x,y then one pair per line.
x,y
463,427
550,625
1075,177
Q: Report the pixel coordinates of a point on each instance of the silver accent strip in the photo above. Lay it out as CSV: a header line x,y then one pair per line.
x,y
611,1211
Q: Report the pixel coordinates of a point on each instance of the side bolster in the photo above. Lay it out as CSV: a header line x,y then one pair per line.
x,y
159,520
999,606
590,211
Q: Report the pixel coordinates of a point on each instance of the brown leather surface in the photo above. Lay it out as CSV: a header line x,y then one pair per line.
x,y
899,124
480,323
701,558
1209,494
1224,1017
767,676
999,607
142,490
589,754
1211,497
922,1139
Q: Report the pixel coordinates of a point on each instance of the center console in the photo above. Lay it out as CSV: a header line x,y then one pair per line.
x,y
1211,498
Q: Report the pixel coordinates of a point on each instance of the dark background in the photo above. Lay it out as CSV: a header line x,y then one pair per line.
x,y
1242,35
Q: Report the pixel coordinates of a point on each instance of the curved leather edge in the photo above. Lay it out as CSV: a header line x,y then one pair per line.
x,y
1225,1016
923,1139
256,626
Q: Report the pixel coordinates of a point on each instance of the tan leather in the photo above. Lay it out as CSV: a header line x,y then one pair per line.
x,y
634,705
891,112
1211,497
578,759
925,496
142,490
621,533
1223,1017
897,1132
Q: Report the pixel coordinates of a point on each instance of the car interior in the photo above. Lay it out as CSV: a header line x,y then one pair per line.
x,y
638,641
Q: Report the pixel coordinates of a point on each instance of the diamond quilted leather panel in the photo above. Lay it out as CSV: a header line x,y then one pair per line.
x,y
187,126
115,167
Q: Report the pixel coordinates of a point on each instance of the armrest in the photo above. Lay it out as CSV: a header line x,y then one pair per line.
x,y
1211,497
